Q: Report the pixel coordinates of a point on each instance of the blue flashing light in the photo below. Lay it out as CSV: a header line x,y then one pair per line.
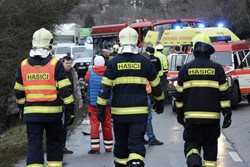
x,y
177,27
200,25
220,25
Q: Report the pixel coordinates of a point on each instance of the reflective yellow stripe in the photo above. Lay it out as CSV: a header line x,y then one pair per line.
x,y
122,161
179,104
102,101
202,115
225,103
209,163
24,62
68,99
129,80
200,83
54,163
40,87
42,109
155,82
63,83
18,87
193,151
129,110
223,87
35,165
107,81
135,156
40,96
20,101
179,88
54,61
161,97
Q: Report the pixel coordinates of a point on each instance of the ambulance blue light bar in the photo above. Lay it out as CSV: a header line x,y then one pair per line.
x,y
220,38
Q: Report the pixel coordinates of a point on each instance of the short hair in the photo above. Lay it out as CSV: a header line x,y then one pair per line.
x,y
68,58
177,48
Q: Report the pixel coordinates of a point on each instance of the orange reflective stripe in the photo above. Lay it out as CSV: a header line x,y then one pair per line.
x,y
39,81
148,88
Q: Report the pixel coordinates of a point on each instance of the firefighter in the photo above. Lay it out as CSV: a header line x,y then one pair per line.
x,y
93,77
202,93
126,76
41,89
164,68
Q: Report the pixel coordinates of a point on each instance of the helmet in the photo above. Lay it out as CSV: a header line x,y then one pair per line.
x,y
42,38
128,36
116,47
159,47
201,45
201,38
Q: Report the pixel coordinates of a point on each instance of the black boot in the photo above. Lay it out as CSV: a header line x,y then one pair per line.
x,y
119,165
194,160
135,163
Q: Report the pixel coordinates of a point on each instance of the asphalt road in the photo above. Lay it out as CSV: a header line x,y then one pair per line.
x,y
234,144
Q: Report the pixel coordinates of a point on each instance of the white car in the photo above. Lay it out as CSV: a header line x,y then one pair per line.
x,y
62,49
82,58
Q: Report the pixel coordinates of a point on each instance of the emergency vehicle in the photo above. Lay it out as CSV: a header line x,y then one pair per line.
x,y
106,36
230,52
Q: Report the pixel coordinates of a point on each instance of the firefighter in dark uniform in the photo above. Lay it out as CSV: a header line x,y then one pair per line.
x,y
41,88
202,93
126,76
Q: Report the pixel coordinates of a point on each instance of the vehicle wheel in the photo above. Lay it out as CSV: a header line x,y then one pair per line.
x,y
248,99
234,96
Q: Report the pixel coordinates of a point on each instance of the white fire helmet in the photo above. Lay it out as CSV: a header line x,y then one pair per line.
x,y
128,36
42,38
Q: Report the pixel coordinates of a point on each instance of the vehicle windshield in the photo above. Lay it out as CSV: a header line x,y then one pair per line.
x,y
223,58
62,50
81,52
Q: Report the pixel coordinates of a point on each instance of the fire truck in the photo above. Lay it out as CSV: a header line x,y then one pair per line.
x,y
106,36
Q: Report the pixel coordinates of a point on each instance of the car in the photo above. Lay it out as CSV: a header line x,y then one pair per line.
x,y
82,59
62,49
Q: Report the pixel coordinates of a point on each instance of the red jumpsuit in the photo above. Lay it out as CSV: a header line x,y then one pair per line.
x,y
94,122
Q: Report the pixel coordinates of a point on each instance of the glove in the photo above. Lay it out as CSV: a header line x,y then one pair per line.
x,y
71,119
180,117
159,106
227,113
101,114
21,109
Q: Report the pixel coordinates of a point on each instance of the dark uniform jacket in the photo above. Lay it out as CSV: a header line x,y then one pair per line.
x,y
40,111
127,75
202,90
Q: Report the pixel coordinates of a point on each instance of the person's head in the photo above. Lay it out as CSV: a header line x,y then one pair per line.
x,y
128,36
202,46
177,48
172,50
67,62
159,47
150,50
105,53
99,61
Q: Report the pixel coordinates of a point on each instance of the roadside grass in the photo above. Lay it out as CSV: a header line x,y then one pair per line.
x,y
13,145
